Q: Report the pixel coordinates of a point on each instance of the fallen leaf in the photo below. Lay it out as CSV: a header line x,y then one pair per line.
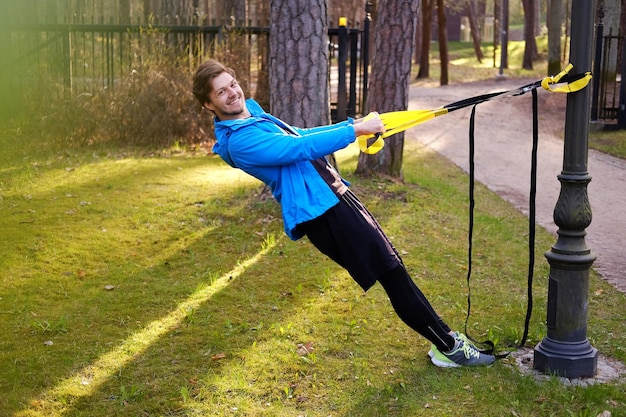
x,y
218,356
304,349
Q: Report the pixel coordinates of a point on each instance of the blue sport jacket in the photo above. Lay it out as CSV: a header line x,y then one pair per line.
x,y
280,156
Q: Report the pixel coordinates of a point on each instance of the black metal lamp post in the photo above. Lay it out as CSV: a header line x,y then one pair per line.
x,y
565,350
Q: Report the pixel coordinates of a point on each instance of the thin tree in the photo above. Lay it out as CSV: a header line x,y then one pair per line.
x,y
555,29
427,25
442,33
394,32
530,47
417,53
470,9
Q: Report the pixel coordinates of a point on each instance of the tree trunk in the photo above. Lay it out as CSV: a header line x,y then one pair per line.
x,y
419,32
555,25
470,8
530,48
427,26
389,82
442,32
299,62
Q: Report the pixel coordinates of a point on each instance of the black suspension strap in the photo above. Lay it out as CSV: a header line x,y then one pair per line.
x,y
531,225
396,122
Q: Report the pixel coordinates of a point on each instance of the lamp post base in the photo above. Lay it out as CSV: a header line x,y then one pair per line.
x,y
566,359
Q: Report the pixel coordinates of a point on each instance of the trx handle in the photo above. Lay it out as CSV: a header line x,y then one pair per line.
x,y
399,121
395,122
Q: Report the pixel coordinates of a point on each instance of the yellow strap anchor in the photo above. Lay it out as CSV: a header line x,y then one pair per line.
x,y
399,121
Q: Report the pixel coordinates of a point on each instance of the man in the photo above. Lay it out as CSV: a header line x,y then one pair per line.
x,y
316,202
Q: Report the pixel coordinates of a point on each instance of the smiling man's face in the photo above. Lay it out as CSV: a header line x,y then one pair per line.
x,y
226,98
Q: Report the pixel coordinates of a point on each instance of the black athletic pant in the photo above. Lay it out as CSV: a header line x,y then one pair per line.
x,y
350,235
414,309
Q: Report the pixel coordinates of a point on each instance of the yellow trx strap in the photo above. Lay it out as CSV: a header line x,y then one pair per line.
x,y
568,87
395,122
399,121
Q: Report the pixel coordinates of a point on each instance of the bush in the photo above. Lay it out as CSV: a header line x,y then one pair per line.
x,y
153,107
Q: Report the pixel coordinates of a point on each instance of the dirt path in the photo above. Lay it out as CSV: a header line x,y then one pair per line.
x,y
502,160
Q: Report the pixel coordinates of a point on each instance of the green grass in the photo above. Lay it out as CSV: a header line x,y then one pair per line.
x,y
159,284
464,66
138,283
612,142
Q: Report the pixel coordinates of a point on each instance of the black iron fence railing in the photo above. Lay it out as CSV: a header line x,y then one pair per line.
x,y
608,100
83,57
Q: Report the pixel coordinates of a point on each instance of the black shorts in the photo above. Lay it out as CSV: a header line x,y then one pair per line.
x,y
349,235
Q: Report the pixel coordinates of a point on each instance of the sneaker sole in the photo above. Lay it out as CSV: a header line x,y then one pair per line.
x,y
442,364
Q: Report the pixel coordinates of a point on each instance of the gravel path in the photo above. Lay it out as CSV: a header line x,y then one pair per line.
x,y
502,160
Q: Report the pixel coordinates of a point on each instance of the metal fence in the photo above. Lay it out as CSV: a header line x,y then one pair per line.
x,y
87,56
608,101
82,57
605,98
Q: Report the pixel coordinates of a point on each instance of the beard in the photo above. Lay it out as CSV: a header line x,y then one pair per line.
x,y
231,111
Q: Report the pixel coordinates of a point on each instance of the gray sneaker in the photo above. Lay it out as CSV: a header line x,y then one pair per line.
x,y
456,335
463,354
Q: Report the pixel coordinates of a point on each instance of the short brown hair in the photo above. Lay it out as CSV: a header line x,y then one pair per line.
x,y
203,80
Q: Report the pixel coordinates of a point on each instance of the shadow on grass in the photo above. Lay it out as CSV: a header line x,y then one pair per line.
x,y
185,309
65,301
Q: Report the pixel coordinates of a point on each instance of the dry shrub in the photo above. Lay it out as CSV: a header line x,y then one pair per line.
x,y
158,108
153,108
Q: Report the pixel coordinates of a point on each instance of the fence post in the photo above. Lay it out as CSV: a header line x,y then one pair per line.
x,y
621,112
365,52
342,113
354,61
